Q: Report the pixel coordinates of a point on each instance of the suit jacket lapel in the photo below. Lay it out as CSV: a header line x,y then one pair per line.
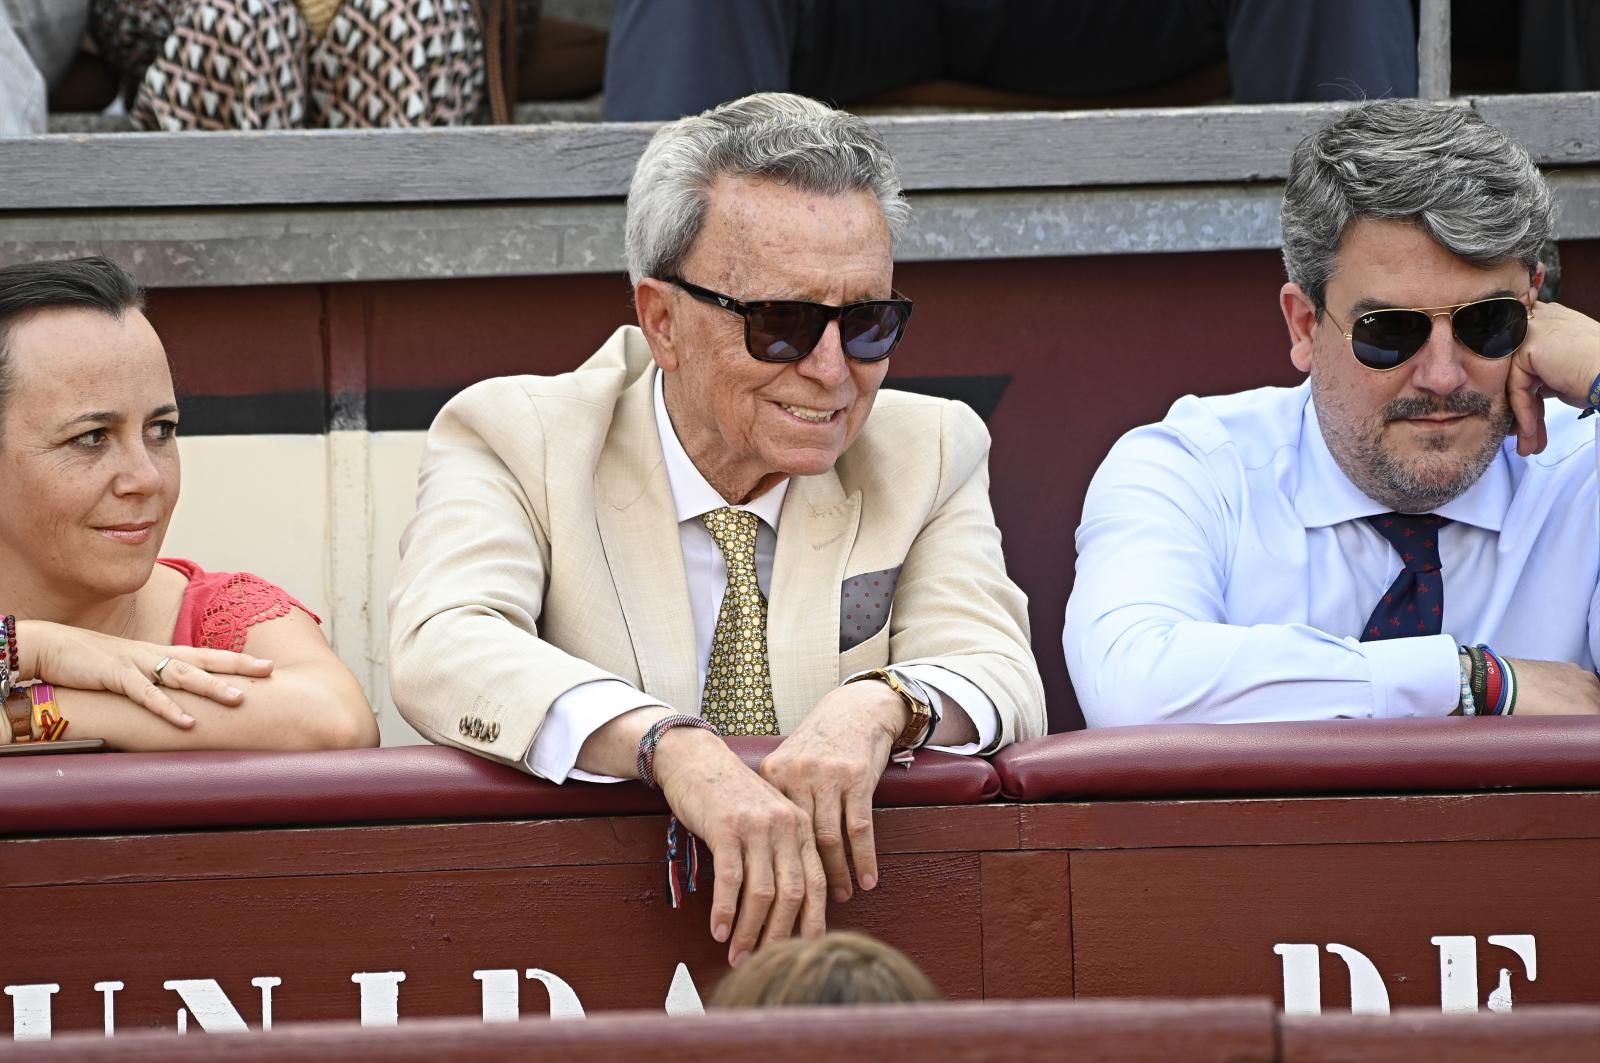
x,y
815,536
638,527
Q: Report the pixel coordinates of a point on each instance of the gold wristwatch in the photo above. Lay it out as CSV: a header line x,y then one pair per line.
x,y
919,728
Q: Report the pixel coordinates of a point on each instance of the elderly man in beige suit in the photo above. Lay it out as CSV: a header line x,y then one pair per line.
x,y
700,531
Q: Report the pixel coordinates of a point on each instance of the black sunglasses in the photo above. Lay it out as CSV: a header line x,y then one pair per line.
x,y
1385,339
786,330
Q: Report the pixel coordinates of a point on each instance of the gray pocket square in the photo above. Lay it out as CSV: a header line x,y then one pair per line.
x,y
864,602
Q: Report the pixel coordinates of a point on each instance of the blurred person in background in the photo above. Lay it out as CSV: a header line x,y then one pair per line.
x,y
289,64
38,41
672,57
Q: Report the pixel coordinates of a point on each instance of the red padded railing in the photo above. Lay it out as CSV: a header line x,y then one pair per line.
x,y
1336,756
83,793
175,791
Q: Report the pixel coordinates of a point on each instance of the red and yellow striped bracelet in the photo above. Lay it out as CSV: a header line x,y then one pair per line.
x,y
48,722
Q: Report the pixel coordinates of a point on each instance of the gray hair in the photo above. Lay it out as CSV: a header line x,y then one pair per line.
x,y
1470,187
771,134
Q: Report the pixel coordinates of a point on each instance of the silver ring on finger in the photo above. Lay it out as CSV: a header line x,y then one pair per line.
x,y
155,675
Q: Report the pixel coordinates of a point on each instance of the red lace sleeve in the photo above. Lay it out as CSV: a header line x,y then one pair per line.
x,y
220,608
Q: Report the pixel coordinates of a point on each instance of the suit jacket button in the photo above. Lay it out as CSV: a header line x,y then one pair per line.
x,y
494,732
461,725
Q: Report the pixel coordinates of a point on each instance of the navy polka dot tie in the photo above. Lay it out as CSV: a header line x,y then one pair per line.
x,y
1414,603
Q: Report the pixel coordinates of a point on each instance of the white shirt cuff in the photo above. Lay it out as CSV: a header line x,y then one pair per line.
x,y
951,690
1414,677
569,722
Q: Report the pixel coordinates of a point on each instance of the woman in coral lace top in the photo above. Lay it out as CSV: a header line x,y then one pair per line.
x,y
141,654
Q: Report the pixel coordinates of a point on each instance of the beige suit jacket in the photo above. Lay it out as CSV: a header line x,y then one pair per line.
x,y
544,553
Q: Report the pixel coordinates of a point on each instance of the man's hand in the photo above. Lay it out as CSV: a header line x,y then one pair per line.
x,y
830,766
767,870
1560,357
1555,688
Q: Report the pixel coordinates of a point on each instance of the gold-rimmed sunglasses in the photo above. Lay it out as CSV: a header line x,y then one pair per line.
x,y
1386,339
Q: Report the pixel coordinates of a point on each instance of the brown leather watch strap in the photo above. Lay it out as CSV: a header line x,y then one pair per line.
x,y
19,715
920,722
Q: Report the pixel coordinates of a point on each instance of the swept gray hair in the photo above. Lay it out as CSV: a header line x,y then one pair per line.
x,y
1443,168
771,134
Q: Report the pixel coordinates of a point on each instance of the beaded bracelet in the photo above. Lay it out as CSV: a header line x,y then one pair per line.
x,y
1467,706
13,658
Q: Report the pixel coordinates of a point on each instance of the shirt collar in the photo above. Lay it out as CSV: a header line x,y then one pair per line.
x,y
692,496
1325,496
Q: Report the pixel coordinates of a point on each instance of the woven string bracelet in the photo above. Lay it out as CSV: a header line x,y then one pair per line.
x,y
677,885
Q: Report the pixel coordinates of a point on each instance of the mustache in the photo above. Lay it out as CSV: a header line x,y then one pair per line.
x,y
1459,404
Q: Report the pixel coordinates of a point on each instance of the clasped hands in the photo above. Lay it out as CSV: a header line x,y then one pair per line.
x,y
80,659
779,839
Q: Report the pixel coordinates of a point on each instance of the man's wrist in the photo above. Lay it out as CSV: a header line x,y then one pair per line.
x,y
918,714
896,713
683,747
888,709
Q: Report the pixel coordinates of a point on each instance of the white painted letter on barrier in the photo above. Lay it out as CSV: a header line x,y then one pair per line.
x,y
1528,952
109,989
30,1010
1367,993
380,996
683,998
208,1003
1302,980
1458,972
265,985
564,1003
501,990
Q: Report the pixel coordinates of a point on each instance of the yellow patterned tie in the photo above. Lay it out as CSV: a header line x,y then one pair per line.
x,y
738,695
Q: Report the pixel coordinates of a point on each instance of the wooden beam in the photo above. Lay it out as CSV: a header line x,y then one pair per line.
x,y
313,244
594,161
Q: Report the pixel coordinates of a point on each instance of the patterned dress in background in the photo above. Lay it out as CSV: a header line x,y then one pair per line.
x,y
289,64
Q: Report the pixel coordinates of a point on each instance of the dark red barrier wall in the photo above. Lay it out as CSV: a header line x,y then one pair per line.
x,y
1086,348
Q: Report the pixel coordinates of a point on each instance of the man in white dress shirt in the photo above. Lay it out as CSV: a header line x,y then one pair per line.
x,y
586,584
1344,548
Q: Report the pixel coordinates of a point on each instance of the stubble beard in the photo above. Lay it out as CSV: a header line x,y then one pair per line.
x,y
1414,483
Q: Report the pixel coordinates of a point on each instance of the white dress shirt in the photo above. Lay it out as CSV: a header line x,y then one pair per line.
x,y
1225,571
584,709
